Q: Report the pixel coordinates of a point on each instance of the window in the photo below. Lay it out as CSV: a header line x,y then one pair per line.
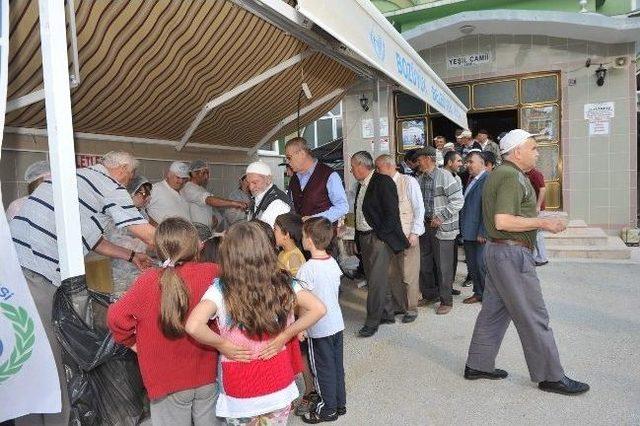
x,y
325,129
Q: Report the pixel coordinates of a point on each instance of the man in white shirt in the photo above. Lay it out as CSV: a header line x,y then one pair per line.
x,y
269,201
166,200
201,202
404,273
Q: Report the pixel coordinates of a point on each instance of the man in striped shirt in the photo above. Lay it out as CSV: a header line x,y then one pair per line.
x,y
103,196
443,199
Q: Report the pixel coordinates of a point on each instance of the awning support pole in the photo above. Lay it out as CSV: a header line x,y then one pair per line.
x,y
55,71
252,82
292,117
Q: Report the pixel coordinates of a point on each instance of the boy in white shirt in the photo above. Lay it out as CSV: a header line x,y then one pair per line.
x,y
321,275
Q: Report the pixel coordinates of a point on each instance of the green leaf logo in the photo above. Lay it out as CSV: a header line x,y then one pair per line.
x,y
25,340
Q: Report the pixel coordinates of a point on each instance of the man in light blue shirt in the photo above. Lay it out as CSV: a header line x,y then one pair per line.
x,y
316,189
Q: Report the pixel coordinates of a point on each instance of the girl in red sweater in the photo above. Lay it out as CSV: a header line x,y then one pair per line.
x,y
178,372
253,303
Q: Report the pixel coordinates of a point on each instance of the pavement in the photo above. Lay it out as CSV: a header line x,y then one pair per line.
x,y
411,374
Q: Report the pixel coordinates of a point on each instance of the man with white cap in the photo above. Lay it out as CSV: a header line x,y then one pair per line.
x,y
269,201
166,200
512,289
34,175
201,202
465,139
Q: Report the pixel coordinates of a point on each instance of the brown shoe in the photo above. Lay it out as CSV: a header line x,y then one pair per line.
x,y
473,299
443,309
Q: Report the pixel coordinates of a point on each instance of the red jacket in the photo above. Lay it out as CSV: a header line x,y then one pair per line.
x,y
166,365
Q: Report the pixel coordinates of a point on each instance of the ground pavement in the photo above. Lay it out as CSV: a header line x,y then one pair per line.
x,y
412,373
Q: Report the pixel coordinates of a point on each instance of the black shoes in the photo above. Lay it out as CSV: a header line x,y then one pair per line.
x,y
471,374
407,318
542,263
455,292
391,320
342,411
566,386
367,331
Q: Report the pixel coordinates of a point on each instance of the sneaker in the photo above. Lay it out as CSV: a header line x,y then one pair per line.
x,y
313,417
342,411
307,404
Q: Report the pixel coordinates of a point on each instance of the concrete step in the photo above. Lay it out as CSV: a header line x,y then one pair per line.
x,y
577,236
613,249
577,223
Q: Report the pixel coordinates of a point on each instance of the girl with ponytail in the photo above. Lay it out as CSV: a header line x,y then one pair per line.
x,y
178,373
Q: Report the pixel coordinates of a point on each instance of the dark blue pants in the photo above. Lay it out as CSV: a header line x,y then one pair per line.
x,y
474,252
325,357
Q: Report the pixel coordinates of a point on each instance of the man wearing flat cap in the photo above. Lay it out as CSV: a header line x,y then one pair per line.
x,y
512,289
201,201
269,201
443,200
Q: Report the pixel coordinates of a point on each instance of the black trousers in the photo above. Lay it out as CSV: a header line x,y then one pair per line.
x,y
326,360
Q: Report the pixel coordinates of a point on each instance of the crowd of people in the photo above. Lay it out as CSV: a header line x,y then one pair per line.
x,y
253,308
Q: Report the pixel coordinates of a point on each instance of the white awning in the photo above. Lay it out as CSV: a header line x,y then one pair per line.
x,y
362,28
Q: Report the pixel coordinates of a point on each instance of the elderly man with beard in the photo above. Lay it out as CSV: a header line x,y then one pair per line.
x,y
269,201
512,288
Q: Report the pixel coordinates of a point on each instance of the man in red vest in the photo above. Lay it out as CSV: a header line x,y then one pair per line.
x,y
316,189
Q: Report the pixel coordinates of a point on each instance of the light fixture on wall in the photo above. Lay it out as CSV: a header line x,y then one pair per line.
x,y
601,74
467,29
583,5
364,103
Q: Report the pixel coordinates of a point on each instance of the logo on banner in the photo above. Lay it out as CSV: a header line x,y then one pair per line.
x,y
378,44
16,347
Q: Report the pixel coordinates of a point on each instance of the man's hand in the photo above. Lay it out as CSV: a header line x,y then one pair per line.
x,y
481,239
234,352
413,240
273,348
436,222
241,205
553,225
142,261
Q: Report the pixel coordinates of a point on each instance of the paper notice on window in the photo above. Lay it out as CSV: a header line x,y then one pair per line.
x,y
599,128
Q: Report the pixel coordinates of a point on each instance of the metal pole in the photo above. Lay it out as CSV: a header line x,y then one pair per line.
x,y
55,71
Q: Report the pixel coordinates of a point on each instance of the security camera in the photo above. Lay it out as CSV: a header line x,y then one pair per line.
x,y
601,74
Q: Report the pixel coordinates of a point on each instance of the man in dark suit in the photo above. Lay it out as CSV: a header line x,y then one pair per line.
x,y
379,233
471,225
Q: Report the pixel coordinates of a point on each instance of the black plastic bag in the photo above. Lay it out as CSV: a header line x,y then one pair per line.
x,y
103,377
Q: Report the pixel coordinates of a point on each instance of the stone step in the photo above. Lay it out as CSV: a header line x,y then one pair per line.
x,y
613,249
577,236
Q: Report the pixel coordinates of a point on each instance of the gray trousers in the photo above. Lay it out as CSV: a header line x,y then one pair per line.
x,y
428,266
443,251
195,407
42,291
512,292
376,257
540,251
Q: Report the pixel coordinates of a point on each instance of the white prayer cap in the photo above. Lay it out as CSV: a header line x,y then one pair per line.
x,y
37,170
465,134
179,169
513,139
259,168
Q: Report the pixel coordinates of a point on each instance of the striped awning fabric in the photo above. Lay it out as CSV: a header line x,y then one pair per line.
x,y
148,67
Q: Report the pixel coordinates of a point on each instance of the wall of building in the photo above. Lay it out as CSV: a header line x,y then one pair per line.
x,y
19,151
600,173
353,116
